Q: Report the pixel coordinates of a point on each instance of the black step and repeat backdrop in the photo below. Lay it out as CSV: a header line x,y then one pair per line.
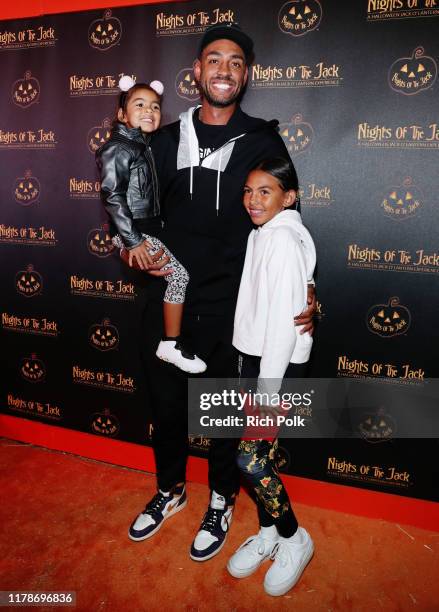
x,y
354,86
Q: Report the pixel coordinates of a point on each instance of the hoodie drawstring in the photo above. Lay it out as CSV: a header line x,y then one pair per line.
x,y
188,153
218,178
194,151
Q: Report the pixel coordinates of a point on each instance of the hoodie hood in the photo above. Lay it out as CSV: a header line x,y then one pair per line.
x,y
292,219
188,154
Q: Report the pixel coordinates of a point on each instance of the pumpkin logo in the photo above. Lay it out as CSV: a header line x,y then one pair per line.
x,y
99,241
411,75
27,189
299,17
103,336
388,320
105,33
28,282
377,426
297,135
32,369
186,85
105,423
26,91
403,201
98,135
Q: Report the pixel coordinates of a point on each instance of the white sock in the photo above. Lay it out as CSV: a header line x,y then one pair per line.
x,y
269,533
297,538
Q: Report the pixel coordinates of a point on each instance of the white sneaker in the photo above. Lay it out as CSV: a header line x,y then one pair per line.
x,y
254,551
174,352
290,559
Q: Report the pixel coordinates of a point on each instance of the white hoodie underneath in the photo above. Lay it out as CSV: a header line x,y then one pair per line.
x,y
279,260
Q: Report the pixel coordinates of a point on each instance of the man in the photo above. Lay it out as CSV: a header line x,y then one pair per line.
x,y
202,163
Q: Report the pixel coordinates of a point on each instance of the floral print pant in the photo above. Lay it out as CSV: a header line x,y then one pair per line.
x,y
257,462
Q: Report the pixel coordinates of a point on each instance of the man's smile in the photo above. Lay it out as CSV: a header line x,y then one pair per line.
x,y
222,85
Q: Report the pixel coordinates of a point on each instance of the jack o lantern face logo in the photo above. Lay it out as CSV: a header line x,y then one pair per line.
x,y
105,33
186,86
105,424
26,91
99,241
297,135
388,320
28,282
98,135
377,426
33,369
402,201
103,336
27,189
298,17
411,75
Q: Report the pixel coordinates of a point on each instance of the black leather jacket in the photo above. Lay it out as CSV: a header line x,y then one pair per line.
x,y
129,185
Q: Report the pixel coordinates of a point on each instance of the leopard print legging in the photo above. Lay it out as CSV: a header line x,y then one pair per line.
x,y
177,280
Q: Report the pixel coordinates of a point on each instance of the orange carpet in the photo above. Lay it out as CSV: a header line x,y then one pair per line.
x,y
64,527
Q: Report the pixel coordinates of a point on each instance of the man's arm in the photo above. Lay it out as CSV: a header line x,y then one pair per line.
x,y
306,317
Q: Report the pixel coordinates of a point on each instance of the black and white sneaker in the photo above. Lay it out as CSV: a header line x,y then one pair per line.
x,y
213,530
174,352
161,507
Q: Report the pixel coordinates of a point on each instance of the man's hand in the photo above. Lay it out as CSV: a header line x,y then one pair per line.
x,y
140,256
152,264
270,411
306,317
158,261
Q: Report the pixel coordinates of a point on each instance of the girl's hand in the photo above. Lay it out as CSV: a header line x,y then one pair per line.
x,y
141,255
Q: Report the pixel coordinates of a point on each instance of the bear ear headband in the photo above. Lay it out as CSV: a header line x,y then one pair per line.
x,y
126,82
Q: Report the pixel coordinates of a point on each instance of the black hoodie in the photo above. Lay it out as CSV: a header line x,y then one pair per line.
x,y
207,229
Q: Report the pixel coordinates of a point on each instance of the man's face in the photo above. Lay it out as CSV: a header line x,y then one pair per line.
x,y
221,72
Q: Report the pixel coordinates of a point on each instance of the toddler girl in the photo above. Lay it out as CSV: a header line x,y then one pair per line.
x,y
129,190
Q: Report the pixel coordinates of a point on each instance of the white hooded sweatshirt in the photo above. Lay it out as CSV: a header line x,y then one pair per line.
x,y
279,260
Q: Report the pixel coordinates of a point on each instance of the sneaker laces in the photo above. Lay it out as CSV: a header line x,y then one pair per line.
x,y
254,544
281,554
156,504
211,519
